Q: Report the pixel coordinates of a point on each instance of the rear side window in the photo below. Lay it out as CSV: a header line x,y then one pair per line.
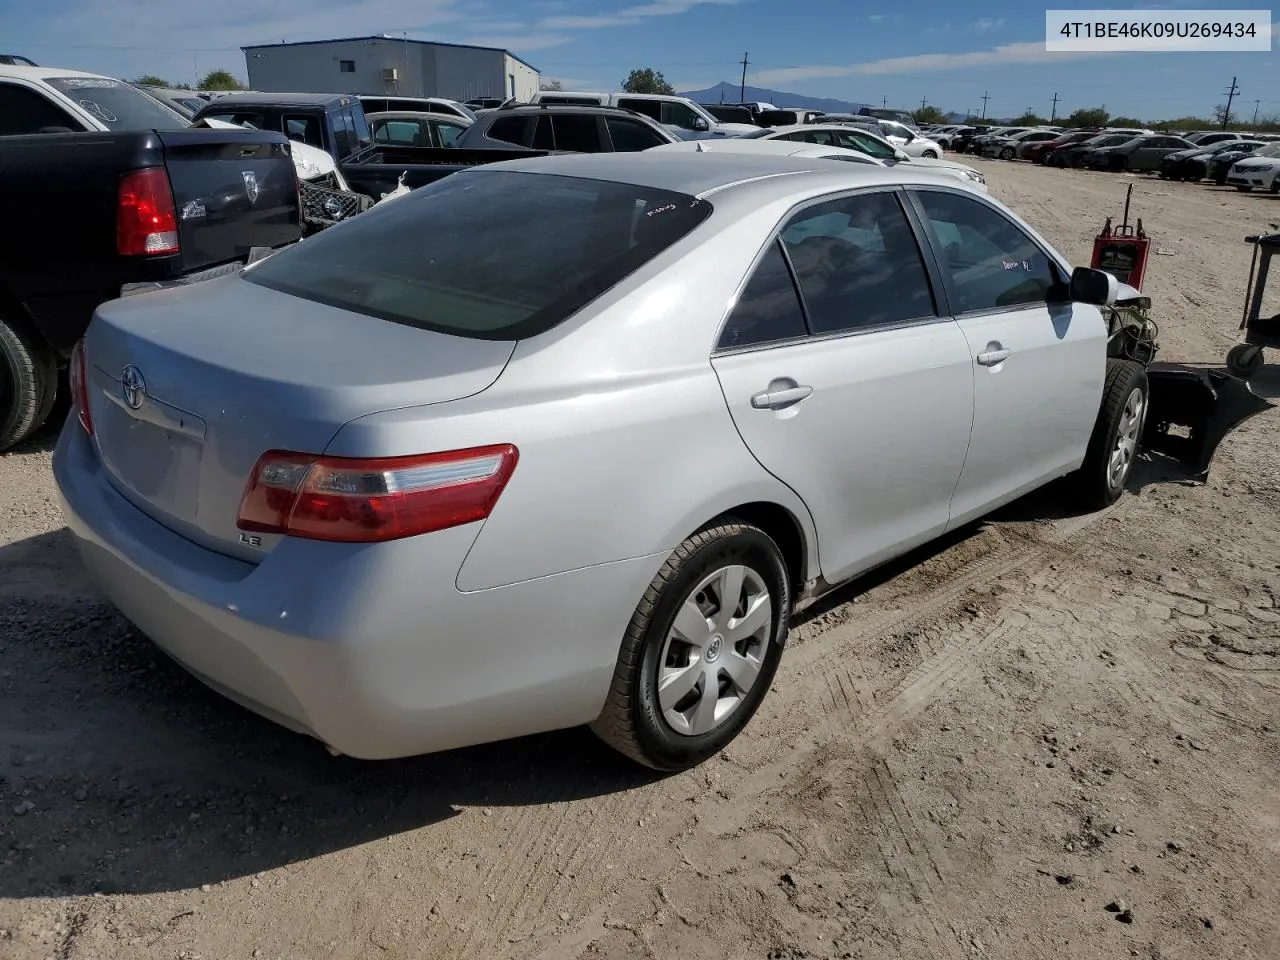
x,y
768,310
650,108
24,111
510,130
629,136
858,264
304,129
577,132
494,255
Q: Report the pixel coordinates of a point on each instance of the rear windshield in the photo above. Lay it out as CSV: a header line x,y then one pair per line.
x,y
493,255
117,105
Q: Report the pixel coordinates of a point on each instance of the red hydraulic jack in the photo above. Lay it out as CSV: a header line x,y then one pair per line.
x,y
1123,252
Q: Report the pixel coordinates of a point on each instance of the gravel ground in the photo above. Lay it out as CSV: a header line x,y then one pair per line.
x,y
1050,736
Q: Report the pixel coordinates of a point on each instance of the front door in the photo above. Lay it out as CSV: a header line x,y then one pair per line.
x,y
856,393
1038,360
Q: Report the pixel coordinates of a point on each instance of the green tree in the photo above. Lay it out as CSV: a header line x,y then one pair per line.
x,y
930,115
220,80
1089,117
551,85
1126,122
151,80
647,80
1029,120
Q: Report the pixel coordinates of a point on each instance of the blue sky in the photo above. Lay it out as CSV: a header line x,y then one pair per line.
x,y
905,50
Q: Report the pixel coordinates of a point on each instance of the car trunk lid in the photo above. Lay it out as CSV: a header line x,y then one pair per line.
x,y
190,386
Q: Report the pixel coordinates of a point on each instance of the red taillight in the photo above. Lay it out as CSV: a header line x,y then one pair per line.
x,y
79,377
357,501
146,221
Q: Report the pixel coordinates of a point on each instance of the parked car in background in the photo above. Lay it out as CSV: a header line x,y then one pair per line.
x,y
680,115
905,117
1073,154
112,188
566,128
1140,153
331,122
776,148
787,117
484,103
1213,136
911,141
1221,163
1011,147
185,102
1193,163
860,138
1039,151
426,365
962,141
1257,172
725,113
416,129
978,144
453,108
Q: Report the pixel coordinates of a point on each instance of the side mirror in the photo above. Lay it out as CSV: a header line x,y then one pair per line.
x,y
1093,286
901,155
700,124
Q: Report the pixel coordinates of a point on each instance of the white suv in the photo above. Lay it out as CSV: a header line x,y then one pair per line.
x,y
680,115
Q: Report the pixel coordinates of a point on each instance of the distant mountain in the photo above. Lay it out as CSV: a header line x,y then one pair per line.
x,y
725,92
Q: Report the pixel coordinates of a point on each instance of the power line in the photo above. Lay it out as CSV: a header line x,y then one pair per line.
x,y
1230,96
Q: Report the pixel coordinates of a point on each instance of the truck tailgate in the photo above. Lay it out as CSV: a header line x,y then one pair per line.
x,y
232,191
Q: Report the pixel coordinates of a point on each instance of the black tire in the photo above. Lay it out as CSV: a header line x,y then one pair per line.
x,y
28,384
632,720
1093,483
1243,189
1244,360
930,155
1118,164
1007,153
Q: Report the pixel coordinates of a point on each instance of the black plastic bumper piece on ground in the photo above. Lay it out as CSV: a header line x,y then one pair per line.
x,y
1192,409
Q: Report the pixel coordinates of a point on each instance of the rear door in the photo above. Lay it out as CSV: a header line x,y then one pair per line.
x,y
232,191
1038,360
846,383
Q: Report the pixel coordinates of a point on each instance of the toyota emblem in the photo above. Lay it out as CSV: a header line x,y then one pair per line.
x,y
133,387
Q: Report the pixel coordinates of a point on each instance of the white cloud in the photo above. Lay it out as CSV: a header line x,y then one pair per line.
x,y
877,18
520,42
986,24
628,16
1006,54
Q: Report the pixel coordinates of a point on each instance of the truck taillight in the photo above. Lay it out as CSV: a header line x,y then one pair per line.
x,y
146,220
365,501
78,374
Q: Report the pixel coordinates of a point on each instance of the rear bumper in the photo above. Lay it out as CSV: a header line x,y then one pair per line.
x,y
235,266
370,648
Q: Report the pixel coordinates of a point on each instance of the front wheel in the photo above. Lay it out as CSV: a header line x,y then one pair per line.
x,y
1116,435
1006,153
930,154
701,649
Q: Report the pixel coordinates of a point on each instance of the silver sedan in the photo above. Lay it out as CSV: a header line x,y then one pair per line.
x,y
563,441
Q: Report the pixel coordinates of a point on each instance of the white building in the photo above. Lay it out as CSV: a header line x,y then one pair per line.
x,y
387,65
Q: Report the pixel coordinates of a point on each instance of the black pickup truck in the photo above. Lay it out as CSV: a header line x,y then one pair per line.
x,y
87,214
337,124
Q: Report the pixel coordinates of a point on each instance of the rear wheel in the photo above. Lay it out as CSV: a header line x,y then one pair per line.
x,y
1007,153
701,649
28,384
1116,435
1244,360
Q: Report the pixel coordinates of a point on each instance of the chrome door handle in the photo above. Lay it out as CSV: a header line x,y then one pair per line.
x,y
990,358
772,400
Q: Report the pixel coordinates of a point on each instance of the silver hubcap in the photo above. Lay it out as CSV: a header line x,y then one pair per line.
x,y
713,653
1122,454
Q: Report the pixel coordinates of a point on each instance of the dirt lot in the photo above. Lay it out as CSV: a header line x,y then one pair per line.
x,y
1054,736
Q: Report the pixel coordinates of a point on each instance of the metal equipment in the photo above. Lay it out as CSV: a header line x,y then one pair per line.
x,y
1245,359
1123,252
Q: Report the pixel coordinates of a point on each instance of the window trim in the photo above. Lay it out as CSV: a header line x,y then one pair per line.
x,y
941,305
950,298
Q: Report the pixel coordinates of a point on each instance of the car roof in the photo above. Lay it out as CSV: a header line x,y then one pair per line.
x,y
418,115
702,173
20,72
551,106
776,148
282,99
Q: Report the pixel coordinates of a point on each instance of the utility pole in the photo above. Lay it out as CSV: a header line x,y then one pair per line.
x,y
1231,95
985,97
1053,111
1255,112
742,93
923,101
884,101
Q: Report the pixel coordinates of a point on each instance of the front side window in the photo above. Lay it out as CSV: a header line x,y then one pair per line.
x,y
304,129
576,132
650,108
993,264
510,130
24,111
629,136
854,140
823,138
449,133
857,263
768,310
494,255
678,114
